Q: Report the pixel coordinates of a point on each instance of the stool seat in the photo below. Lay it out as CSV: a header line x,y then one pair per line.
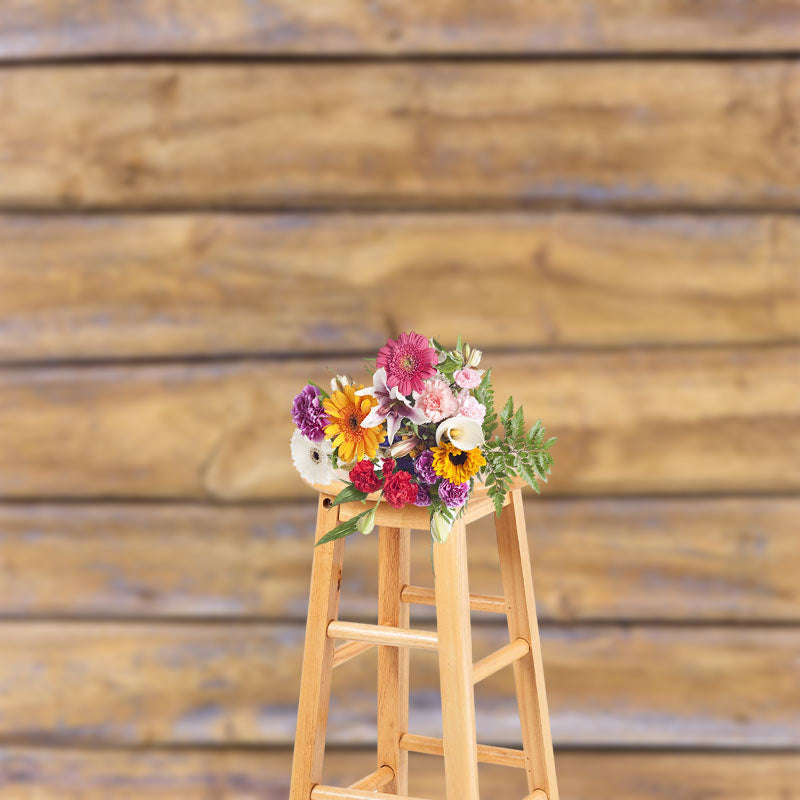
x,y
414,517
331,643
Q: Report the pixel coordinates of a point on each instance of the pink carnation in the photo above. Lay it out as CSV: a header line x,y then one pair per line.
x,y
468,378
437,400
469,407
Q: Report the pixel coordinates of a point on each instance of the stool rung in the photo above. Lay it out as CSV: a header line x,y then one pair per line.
x,y
508,654
375,780
334,793
344,652
477,602
539,794
487,754
383,634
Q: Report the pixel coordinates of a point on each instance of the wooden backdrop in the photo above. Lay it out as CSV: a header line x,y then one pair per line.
x,y
205,203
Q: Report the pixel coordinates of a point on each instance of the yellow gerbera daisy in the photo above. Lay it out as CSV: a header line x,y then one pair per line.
x,y
346,412
457,466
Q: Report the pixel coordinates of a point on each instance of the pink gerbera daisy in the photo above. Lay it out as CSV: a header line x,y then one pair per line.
x,y
408,360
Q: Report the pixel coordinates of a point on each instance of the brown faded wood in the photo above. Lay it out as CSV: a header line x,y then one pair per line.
x,y
186,774
394,572
228,683
169,285
401,134
47,28
455,665
317,670
698,558
529,680
628,422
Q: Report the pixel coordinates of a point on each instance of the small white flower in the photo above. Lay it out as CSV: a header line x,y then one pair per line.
x,y
339,382
474,359
463,432
440,528
312,459
366,523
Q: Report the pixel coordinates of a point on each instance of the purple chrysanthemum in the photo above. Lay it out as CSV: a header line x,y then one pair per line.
x,y
453,495
309,415
423,498
423,466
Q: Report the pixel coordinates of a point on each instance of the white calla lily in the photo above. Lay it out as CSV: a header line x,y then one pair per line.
x,y
463,432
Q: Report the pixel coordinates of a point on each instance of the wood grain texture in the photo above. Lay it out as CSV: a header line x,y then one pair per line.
x,y
394,572
126,286
454,632
317,670
47,28
153,774
523,626
627,421
627,559
690,134
237,684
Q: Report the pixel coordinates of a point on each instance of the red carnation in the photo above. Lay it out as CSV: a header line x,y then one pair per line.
x,y
364,478
387,468
399,490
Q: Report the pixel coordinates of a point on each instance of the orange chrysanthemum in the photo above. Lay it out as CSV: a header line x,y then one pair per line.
x,y
346,412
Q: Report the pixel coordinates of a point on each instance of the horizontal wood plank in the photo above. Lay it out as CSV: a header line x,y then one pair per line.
x,y
646,421
690,134
237,684
620,559
209,284
48,28
58,774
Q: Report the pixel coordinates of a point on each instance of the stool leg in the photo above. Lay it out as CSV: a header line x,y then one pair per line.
x,y
515,568
315,681
455,666
393,574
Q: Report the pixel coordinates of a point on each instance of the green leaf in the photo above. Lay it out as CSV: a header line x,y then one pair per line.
x,y
518,424
345,529
449,366
322,392
348,494
508,410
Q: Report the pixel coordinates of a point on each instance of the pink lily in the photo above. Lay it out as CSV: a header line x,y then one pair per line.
x,y
392,407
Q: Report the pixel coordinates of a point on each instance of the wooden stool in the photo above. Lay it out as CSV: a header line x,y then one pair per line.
x,y
453,641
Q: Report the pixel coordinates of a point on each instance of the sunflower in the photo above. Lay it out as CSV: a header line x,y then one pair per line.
x,y
346,412
457,466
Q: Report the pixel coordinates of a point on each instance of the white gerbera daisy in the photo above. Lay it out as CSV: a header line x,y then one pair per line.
x,y
312,459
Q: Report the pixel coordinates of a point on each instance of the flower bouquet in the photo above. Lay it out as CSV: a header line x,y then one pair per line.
x,y
423,433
